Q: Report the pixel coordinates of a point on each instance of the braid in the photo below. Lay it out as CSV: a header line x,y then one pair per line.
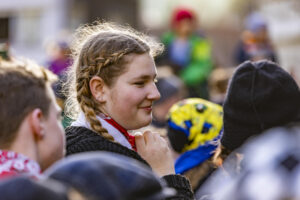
x,y
88,105
114,58
101,50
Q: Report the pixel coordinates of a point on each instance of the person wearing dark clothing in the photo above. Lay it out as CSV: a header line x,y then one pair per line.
x,y
113,83
81,139
106,175
261,95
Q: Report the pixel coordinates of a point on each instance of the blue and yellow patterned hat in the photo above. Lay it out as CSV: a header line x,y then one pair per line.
x,y
199,120
194,126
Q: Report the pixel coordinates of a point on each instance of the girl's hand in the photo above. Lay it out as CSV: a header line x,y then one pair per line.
x,y
154,149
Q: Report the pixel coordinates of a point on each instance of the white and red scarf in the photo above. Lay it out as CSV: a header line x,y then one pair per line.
x,y
12,163
119,133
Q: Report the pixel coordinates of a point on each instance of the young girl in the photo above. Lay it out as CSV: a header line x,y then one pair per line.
x,y
112,81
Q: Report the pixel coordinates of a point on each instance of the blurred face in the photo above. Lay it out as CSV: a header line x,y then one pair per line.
x,y
184,27
52,146
129,101
262,35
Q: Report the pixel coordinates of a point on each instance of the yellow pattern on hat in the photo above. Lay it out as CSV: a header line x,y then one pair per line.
x,y
205,119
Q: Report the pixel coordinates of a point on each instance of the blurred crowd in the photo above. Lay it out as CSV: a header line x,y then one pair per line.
x,y
150,123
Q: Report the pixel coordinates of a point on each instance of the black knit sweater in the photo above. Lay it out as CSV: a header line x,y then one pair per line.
x,y
81,139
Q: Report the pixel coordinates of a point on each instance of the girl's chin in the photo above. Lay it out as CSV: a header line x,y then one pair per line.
x,y
142,124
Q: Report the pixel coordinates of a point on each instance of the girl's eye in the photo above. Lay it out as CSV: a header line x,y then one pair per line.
x,y
139,83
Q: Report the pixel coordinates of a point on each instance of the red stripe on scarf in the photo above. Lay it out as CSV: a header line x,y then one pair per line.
x,y
130,138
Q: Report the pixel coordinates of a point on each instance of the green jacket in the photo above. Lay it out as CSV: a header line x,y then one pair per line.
x,y
200,65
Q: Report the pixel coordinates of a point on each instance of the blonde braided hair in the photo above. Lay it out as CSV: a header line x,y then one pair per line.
x,y
87,104
100,50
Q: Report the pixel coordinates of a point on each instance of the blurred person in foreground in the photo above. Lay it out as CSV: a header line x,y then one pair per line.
x,y
188,52
194,128
107,175
260,96
32,137
25,188
271,169
90,176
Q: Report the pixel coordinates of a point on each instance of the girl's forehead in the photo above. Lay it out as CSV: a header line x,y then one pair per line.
x,y
141,66
141,74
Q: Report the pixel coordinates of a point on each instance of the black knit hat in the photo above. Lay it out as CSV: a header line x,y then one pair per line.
x,y
260,95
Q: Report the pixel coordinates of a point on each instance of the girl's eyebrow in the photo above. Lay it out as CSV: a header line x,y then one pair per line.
x,y
144,77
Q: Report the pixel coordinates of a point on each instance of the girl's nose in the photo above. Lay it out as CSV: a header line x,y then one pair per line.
x,y
154,93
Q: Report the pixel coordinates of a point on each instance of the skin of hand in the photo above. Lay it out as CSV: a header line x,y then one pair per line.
x,y
155,150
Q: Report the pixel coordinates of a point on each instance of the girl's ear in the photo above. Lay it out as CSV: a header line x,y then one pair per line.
x,y
97,87
36,122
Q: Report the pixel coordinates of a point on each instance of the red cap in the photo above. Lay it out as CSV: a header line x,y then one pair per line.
x,y
181,14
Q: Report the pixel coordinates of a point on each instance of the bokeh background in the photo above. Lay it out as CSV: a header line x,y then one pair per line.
x,y
34,28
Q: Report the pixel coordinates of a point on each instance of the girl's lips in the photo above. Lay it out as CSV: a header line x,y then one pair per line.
x,y
147,108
